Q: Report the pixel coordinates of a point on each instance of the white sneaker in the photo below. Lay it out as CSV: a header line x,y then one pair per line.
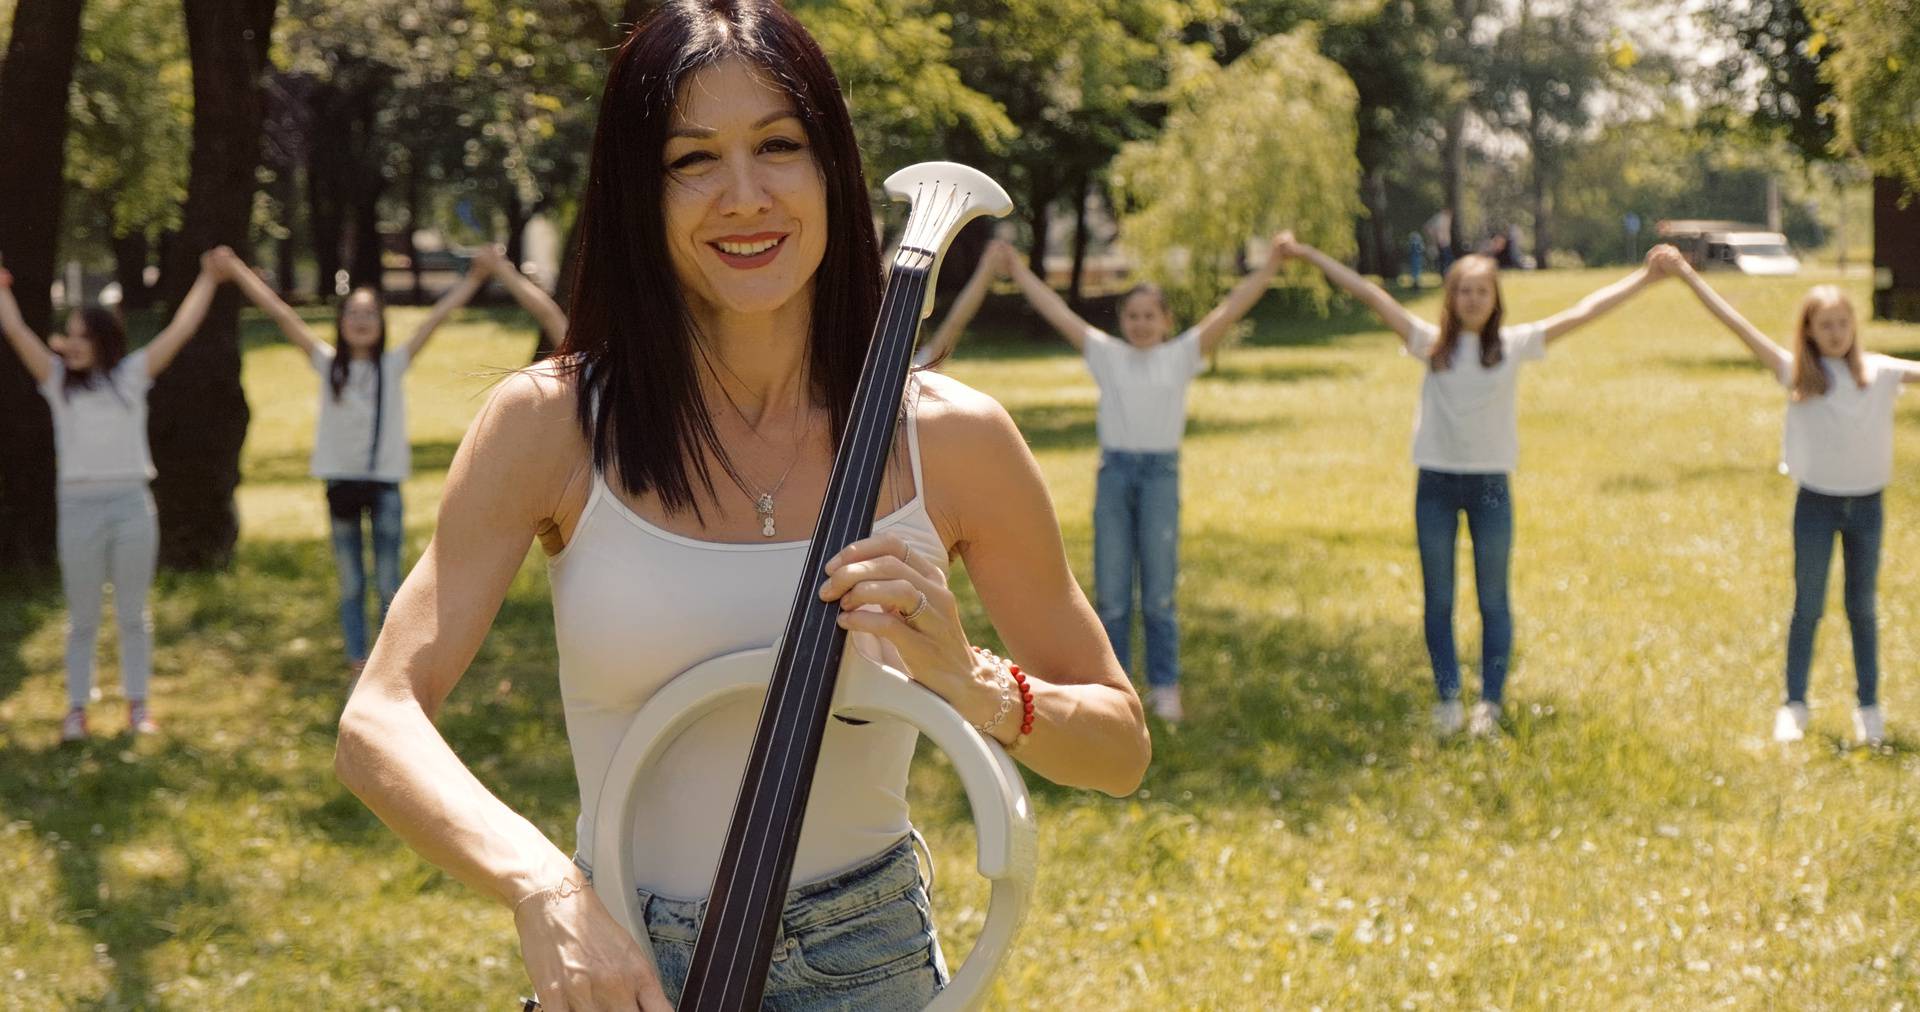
x,y
1449,716
1790,722
1485,722
74,728
1165,702
1869,726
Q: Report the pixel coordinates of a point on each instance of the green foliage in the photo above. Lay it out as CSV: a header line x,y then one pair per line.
x,y
131,120
1875,73
1262,144
1665,167
1774,70
894,59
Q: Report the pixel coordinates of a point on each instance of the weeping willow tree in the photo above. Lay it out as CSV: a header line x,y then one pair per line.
x,y
1264,143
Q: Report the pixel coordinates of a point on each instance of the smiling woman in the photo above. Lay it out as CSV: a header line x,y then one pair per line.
x,y
729,281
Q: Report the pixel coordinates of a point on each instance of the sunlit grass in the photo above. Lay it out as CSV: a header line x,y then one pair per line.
x,y
1635,842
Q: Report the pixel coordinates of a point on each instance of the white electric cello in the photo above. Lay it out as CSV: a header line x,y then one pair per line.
x,y
810,676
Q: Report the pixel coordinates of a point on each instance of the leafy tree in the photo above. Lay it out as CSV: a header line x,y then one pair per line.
x,y
1874,68
1264,143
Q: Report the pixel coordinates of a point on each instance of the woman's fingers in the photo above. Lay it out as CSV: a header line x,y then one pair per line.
x,y
902,596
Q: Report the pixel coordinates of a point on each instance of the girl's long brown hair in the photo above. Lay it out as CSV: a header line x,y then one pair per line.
x,y
1809,380
1491,350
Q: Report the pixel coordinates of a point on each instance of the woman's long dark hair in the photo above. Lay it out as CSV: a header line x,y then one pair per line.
x,y
109,340
343,359
630,336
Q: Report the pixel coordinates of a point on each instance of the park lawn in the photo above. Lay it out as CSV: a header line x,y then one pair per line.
x,y
1303,841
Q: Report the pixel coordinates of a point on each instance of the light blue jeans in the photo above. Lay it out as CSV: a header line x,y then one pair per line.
x,y
350,559
1136,531
863,939
107,534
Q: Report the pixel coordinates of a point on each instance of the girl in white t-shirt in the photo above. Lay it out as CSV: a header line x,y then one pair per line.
x,y
1838,446
1143,378
107,531
1465,443
360,446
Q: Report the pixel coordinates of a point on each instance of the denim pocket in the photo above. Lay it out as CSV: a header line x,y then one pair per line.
x,y
889,939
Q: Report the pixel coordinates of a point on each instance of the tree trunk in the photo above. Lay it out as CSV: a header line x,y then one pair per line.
x,y
33,133
1083,192
367,271
1456,170
199,411
1536,146
518,214
1896,251
1373,189
130,270
413,225
324,221
1038,219
286,186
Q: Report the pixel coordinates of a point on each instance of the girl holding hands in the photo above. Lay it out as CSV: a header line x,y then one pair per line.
x,y
1143,377
1465,445
1838,446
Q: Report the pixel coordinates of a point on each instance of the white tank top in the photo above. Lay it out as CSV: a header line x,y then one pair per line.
x,y
633,606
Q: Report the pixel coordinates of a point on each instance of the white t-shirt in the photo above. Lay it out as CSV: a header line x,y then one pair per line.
x,y
1841,442
100,431
1143,391
1467,423
343,439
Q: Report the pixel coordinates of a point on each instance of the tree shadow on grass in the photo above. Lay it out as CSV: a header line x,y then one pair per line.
x,y
294,467
30,602
86,798
1060,426
504,720
1646,483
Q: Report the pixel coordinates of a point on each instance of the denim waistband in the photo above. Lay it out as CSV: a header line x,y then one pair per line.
x,y
883,879
1863,497
1144,456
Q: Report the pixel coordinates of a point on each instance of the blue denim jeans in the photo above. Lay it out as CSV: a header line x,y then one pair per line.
x,y
1488,503
1136,529
863,939
350,559
107,533
1857,519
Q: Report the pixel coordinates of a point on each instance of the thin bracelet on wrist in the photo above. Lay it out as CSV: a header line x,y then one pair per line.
x,y
564,888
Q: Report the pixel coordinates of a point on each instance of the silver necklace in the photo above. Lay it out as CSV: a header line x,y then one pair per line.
x,y
763,502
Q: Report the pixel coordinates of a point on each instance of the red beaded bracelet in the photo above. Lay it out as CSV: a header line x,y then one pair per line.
x,y
1026,698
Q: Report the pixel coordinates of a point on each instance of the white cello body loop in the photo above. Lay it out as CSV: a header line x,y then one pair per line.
x,y
868,689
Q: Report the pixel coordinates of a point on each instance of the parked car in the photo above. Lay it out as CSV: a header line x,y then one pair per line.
x,y
1727,245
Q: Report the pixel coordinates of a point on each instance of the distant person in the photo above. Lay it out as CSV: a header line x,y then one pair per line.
x,y
1838,446
360,446
107,532
492,262
1465,444
1143,377
933,351
1416,256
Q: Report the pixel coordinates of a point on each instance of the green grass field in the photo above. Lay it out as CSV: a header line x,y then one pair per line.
x,y
1303,841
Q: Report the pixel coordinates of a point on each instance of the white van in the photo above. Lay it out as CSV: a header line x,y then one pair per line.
x,y
1764,253
1729,245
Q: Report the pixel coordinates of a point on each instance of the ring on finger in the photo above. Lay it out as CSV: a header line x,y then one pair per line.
x,y
917,609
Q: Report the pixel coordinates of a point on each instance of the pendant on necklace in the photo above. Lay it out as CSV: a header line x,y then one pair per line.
x,y
764,507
